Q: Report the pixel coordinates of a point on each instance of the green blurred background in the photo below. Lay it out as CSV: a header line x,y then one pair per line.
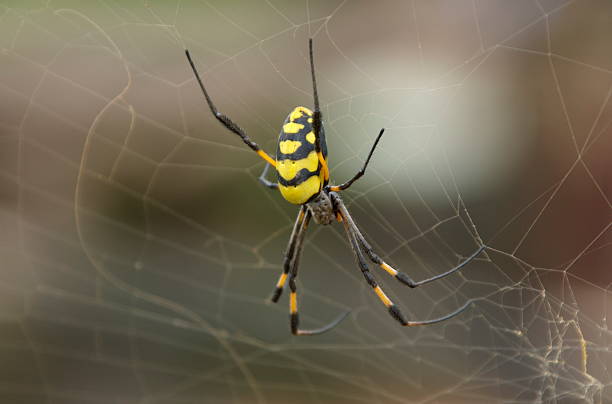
x,y
139,250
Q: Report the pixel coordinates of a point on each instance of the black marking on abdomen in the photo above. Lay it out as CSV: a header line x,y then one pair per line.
x,y
300,177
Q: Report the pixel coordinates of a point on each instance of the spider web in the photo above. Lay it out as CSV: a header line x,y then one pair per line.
x,y
139,250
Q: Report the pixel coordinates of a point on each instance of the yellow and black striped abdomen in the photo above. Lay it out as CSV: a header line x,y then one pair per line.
x,y
297,164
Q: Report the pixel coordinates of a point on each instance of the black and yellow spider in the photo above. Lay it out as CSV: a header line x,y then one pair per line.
x,y
303,179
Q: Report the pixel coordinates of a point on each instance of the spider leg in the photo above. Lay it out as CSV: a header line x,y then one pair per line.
x,y
316,116
394,311
296,233
292,264
400,276
360,173
265,181
294,316
226,121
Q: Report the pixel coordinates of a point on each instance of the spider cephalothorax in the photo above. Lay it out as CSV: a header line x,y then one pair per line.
x,y
303,179
321,208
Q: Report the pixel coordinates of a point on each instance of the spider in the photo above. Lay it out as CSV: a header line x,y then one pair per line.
x,y
303,179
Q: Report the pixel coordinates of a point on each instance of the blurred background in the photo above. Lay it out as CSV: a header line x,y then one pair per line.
x,y
139,251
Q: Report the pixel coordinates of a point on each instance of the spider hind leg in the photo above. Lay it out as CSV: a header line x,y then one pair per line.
x,y
394,311
400,276
288,259
290,271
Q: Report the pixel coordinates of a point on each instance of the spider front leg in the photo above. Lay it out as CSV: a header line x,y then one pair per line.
x,y
226,121
316,116
400,276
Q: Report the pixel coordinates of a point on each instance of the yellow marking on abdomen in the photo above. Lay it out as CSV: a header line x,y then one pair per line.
x,y
298,112
293,303
387,268
281,280
292,127
310,137
288,169
301,193
381,295
289,146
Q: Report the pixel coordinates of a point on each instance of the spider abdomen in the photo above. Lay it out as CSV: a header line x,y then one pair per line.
x,y
299,171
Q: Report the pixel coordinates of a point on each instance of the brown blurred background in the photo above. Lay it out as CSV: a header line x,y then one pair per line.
x,y
139,250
